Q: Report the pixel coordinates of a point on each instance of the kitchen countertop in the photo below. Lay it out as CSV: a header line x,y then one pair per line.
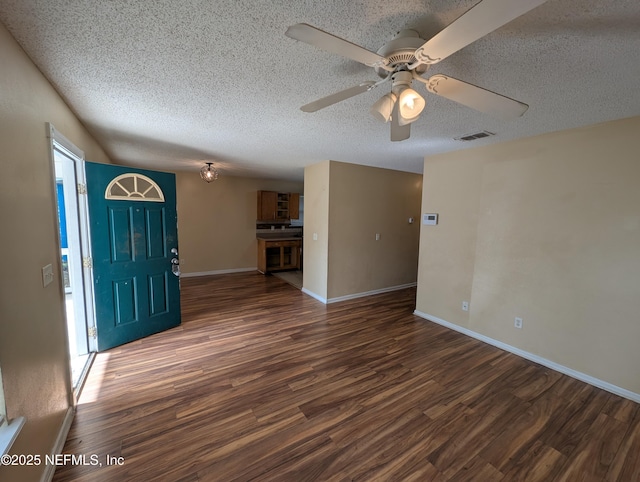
x,y
276,237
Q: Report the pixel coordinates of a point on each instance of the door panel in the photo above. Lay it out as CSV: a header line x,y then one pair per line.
x,y
158,294
124,292
131,241
155,226
120,234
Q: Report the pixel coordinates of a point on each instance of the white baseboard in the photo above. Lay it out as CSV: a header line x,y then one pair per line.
x,y
583,377
313,295
370,293
9,432
357,295
49,470
218,271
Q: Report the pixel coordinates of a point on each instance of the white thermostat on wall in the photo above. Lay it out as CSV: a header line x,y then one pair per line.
x,y
430,219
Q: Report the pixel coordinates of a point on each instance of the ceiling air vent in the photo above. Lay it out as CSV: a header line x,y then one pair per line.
x,y
473,137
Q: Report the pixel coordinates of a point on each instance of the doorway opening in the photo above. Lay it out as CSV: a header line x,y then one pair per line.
x,y
73,235
71,261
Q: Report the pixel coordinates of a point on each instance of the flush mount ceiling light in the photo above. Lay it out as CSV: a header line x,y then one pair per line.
x,y
208,173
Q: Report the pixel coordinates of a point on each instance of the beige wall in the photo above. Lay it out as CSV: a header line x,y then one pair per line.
x,y
316,220
346,205
365,201
547,229
33,346
217,221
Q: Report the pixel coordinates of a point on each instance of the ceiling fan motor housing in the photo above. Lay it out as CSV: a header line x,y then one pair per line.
x,y
400,52
400,81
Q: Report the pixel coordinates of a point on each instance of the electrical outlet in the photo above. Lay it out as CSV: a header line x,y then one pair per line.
x,y
465,306
518,323
377,236
315,236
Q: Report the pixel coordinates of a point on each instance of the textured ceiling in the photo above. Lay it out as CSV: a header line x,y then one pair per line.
x,y
169,84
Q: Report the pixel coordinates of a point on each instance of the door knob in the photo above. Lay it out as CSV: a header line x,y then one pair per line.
x,y
175,262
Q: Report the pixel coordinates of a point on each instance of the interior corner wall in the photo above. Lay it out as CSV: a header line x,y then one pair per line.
x,y
33,346
365,201
316,229
546,229
346,205
217,221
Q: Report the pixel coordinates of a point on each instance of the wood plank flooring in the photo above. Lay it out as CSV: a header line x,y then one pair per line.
x,y
262,382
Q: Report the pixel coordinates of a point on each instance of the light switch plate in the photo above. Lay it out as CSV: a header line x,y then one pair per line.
x,y
47,275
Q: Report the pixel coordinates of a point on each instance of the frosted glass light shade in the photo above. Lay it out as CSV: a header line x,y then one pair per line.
x,y
410,107
383,107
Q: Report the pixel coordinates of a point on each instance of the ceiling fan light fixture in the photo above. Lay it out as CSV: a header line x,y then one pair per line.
x,y
383,107
411,104
408,56
208,173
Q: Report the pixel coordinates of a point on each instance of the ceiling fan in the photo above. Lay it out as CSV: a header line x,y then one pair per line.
x,y
406,57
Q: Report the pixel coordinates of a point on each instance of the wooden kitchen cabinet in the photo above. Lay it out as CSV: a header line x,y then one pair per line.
x,y
278,254
267,202
278,206
282,206
294,205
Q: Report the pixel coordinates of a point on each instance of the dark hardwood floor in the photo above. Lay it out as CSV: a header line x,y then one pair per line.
x,y
262,382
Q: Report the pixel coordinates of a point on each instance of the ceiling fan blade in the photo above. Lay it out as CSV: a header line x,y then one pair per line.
x,y
325,41
338,97
476,97
481,19
398,132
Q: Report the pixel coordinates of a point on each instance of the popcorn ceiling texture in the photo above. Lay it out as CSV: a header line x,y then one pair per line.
x,y
169,84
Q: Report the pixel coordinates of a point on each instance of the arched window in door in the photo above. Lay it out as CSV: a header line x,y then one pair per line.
x,y
134,187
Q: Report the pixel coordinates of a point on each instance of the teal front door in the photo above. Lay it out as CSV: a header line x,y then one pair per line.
x,y
134,242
